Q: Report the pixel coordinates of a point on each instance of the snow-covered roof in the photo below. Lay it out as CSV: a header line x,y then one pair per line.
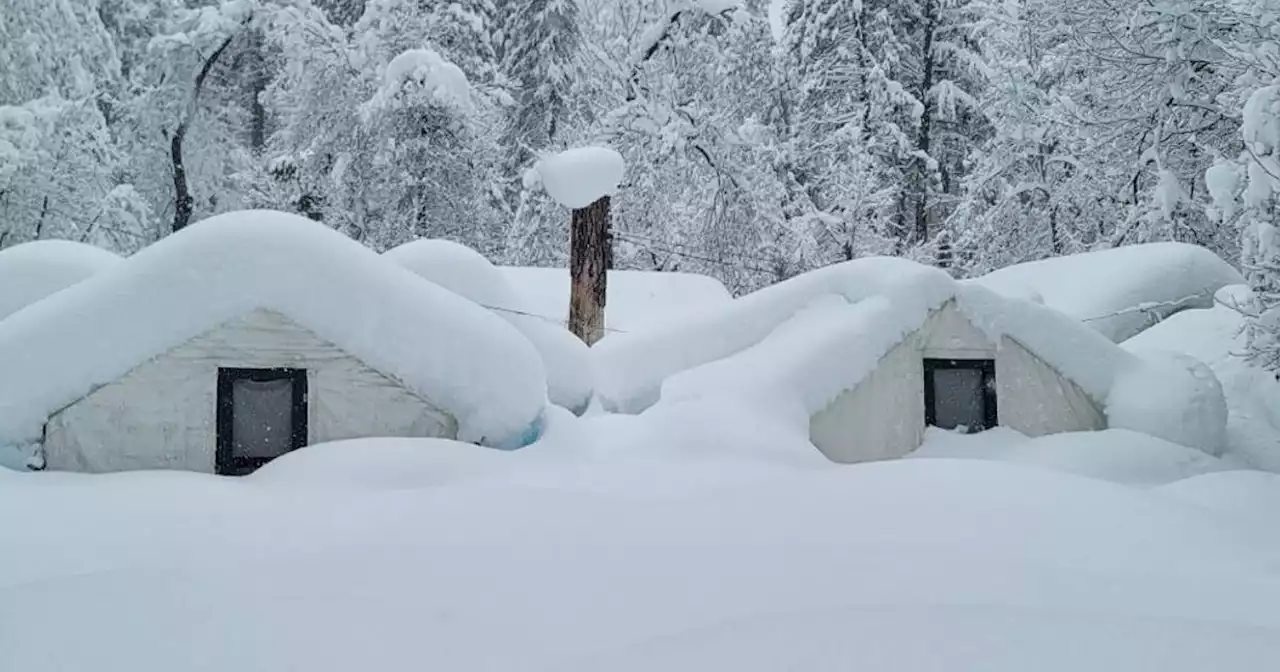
x,y
631,366
1217,337
469,362
576,178
635,301
469,274
798,345
1121,291
31,271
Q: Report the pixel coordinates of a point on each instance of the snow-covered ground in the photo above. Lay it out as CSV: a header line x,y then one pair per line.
x,y
578,554
694,536
1116,455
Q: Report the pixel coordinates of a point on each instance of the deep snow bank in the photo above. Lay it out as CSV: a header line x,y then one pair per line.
x,y
467,273
1115,455
1215,336
914,565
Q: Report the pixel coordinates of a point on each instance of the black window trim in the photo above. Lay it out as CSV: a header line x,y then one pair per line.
x,y
226,462
991,414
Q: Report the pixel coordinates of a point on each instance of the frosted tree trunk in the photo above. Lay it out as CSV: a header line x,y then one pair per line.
x,y
183,202
589,257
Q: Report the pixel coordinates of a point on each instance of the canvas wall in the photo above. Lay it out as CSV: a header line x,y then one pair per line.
x,y
162,415
883,416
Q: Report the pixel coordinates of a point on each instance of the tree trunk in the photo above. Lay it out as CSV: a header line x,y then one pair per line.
x,y
589,259
182,200
920,172
258,83
183,203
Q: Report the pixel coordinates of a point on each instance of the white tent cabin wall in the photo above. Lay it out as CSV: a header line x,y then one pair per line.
x,y
884,416
164,413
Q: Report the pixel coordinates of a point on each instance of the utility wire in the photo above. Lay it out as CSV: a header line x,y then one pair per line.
x,y
546,318
690,255
664,245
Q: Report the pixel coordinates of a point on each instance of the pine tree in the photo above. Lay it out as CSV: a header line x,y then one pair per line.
x,y
541,64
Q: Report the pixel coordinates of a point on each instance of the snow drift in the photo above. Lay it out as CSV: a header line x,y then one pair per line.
x,y
1115,455
912,566
469,274
1216,337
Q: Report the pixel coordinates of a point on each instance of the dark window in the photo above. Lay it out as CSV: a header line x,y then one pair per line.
x,y
960,394
262,414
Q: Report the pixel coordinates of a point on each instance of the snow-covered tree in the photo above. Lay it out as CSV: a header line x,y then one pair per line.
x,y
62,169
381,140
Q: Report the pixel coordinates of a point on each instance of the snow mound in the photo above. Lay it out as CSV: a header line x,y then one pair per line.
x,y
1120,292
1115,455
632,367
423,72
1216,337
1173,396
576,178
1249,495
457,268
31,271
471,364
469,274
636,457
381,464
992,444
635,301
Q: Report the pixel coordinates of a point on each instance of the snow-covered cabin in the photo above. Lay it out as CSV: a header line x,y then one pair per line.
x,y
634,301
249,335
469,274
873,352
31,271
1119,292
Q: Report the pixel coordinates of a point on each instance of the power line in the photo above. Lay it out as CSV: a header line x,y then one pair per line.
x,y
659,244
690,255
545,318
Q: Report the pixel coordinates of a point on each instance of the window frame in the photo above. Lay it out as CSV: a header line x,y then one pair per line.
x,y
226,462
990,408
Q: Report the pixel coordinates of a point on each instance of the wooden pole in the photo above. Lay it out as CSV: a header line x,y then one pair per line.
x,y
589,257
